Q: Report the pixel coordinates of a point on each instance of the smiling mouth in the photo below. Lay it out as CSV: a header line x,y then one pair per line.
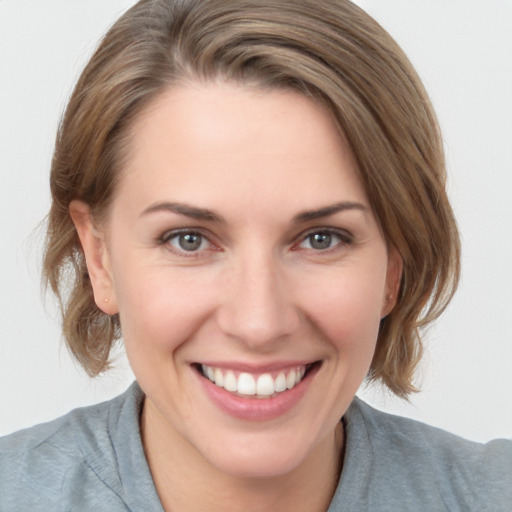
x,y
261,385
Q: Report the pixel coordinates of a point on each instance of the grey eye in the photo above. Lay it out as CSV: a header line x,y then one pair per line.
x,y
323,240
320,241
188,241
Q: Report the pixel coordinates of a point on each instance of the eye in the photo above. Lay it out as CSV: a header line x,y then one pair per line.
x,y
324,240
186,241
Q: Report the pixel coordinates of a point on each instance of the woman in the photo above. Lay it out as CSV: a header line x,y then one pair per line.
x,y
252,194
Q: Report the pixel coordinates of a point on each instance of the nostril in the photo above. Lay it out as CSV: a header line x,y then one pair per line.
x,y
258,326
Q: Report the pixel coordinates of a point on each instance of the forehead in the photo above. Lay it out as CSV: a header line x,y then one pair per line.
x,y
197,139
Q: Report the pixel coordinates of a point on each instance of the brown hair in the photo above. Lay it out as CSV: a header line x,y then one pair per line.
x,y
331,51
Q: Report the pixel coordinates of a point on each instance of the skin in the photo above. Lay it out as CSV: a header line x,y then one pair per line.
x,y
258,290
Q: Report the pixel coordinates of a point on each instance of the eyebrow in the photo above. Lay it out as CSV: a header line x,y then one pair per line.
x,y
326,211
208,215
186,210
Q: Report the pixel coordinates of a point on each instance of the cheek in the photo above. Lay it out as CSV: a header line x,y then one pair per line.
x,y
159,308
348,308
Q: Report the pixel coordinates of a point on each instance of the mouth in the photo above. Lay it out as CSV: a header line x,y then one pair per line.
x,y
263,385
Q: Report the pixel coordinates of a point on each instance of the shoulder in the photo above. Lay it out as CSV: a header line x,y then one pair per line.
x,y
59,435
441,447
38,464
420,462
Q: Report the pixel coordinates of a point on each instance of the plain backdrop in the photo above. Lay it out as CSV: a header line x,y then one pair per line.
x,y
462,50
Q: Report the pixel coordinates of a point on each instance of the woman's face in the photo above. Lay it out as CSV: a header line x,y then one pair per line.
x,y
249,273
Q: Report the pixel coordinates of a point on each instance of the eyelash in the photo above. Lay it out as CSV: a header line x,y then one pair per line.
x,y
168,236
344,239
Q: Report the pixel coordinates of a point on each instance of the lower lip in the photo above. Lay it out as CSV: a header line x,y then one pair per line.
x,y
257,409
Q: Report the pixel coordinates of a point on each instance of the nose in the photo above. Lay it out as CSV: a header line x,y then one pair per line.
x,y
257,307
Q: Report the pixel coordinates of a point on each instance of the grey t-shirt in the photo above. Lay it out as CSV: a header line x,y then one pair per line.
x,y
92,459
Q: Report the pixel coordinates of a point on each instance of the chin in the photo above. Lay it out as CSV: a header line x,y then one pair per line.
x,y
257,465
259,456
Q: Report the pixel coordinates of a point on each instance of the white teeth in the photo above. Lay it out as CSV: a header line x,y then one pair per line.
x,y
280,384
246,384
290,380
230,382
219,378
263,385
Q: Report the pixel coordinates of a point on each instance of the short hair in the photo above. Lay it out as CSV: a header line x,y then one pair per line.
x,y
332,52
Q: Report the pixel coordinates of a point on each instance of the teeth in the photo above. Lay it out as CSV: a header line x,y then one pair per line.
x,y
263,385
230,382
280,383
246,384
290,380
219,378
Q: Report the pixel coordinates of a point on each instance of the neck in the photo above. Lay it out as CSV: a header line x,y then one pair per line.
x,y
187,482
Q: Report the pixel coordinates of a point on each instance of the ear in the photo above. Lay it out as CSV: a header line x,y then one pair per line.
x,y
393,278
96,256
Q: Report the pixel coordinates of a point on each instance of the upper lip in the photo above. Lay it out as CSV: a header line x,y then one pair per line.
x,y
256,368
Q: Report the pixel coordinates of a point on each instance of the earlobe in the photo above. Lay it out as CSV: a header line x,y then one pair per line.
x,y
393,279
96,256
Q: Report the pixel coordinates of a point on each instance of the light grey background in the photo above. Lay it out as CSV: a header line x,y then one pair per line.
x,y
463,51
